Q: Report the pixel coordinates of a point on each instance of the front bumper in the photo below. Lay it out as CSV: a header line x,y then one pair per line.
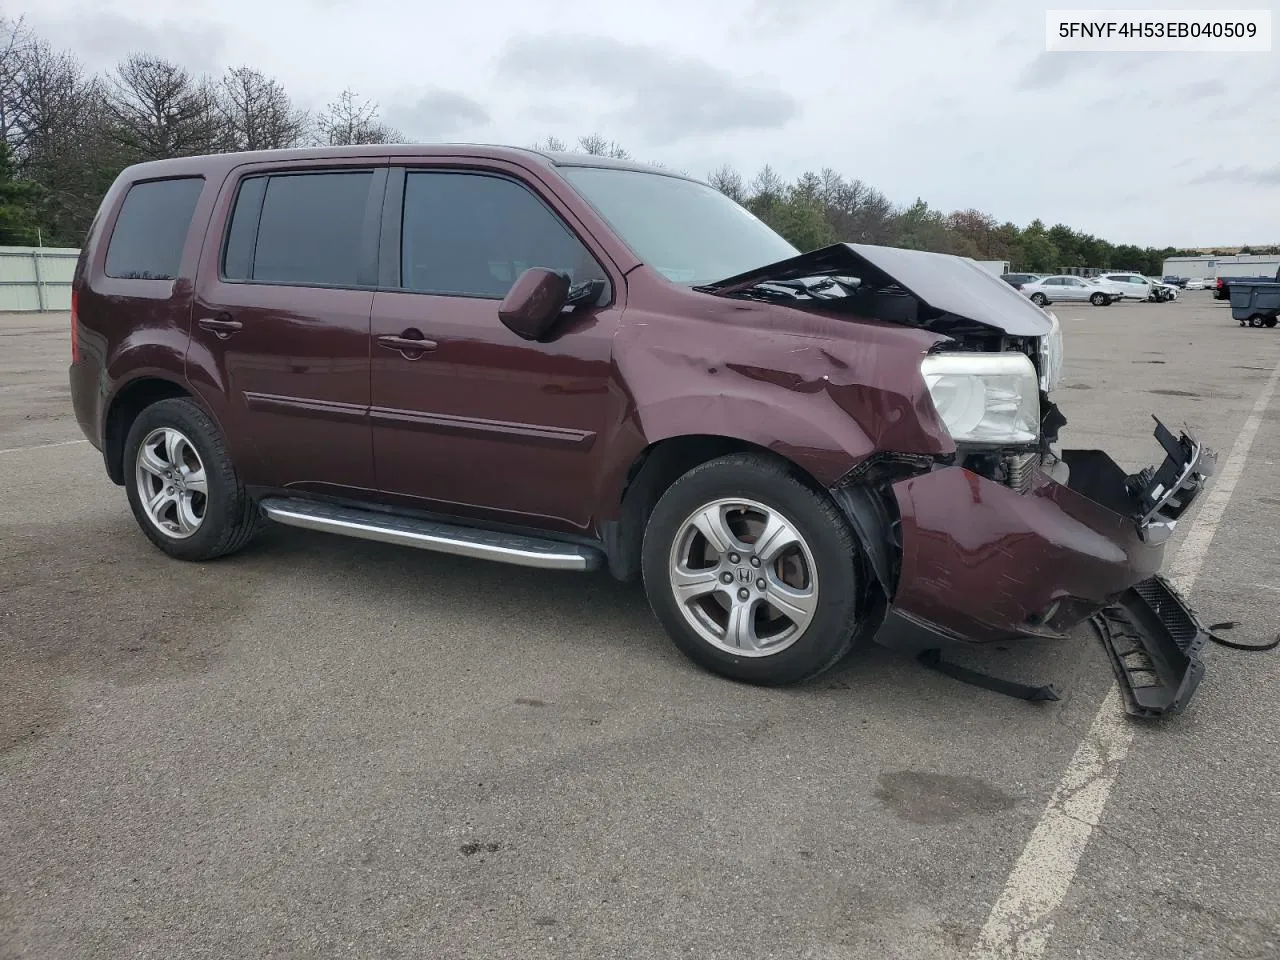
x,y
981,562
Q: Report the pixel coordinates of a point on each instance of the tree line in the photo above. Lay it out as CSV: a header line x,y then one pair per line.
x,y
66,133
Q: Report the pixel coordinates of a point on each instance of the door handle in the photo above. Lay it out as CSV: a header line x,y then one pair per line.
x,y
222,326
407,345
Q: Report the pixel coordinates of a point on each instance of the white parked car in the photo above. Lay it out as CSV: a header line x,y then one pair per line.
x,y
1195,283
1137,287
1066,288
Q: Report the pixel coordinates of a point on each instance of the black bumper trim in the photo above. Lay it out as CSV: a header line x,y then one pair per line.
x,y
1153,639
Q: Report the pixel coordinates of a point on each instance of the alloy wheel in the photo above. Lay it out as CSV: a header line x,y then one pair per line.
x,y
172,484
743,577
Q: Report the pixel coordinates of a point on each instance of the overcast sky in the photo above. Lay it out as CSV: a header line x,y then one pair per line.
x,y
954,101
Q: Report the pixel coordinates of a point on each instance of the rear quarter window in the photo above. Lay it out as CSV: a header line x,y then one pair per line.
x,y
151,229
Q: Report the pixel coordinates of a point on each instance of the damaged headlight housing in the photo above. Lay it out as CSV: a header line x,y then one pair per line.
x,y
989,398
1051,356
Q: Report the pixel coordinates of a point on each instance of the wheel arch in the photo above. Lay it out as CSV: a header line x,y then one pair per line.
x,y
123,409
651,473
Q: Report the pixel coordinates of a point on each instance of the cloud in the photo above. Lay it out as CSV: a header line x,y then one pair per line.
x,y
665,96
103,39
1052,68
437,113
1200,90
1251,176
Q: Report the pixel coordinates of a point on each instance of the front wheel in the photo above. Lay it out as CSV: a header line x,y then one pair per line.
x,y
753,574
1271,321
1256,320
1039,299
1099,299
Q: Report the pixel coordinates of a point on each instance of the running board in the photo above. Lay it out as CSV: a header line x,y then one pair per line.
x,y
405,531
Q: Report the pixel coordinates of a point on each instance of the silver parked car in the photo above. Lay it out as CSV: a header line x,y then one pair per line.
x,y
1066,288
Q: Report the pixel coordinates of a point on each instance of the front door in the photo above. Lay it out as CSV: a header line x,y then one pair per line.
x,y
280,332
481,423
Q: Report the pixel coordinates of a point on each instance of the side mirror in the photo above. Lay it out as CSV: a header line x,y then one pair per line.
x,y
533,304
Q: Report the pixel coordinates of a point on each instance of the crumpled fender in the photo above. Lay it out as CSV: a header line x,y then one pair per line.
x,y
823,392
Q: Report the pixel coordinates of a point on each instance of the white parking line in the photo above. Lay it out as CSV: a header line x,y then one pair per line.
x,y
1020,923
43,446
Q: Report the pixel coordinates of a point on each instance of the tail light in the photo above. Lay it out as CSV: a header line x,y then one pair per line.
x,y
75,324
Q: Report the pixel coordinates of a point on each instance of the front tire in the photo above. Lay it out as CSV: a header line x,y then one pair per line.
x,y
1039,299
1099,300
182,486
754,575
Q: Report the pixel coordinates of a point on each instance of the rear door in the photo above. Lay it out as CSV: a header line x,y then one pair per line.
x,y
281,319
481,423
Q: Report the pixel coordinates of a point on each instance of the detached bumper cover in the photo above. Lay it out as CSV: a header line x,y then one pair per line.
x,y
1154,639
983,563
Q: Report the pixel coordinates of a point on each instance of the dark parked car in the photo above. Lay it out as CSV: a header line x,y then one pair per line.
x,y
572,363
1016,280
1222,285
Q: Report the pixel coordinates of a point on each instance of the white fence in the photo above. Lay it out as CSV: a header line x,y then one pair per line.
x,y
36,278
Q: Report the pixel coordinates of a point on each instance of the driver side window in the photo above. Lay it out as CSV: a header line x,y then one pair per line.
x,y
473,235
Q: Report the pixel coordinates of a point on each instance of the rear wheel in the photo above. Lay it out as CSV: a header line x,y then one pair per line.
x,y
1257,320
182,485
753,574
1039,299
1271,321
1098,299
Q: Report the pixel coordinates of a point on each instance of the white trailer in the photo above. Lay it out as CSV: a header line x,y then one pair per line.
x,y
995,267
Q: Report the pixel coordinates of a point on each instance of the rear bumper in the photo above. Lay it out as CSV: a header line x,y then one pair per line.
x,y
982,562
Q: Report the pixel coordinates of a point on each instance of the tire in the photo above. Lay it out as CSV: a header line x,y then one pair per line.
x,y
822,570
1099,299
194,520
1256,320
1271,321
1039,299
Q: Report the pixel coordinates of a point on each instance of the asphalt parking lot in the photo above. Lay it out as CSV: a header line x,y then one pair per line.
x,y
324,747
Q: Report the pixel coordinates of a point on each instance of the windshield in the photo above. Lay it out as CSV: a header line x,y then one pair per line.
x,y
689,232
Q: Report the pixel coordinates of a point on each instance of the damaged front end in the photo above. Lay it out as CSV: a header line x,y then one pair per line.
x,y
1010,537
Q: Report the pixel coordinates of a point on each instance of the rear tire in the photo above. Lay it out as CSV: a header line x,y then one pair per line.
x,y
1271,321
1098,299
183,487
748,501
1257,320
1039,299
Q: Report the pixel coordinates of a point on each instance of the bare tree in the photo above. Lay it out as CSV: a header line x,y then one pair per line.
x,y
65,131
15,39
597,146
255,113
550,145
158,110
729,182
349,120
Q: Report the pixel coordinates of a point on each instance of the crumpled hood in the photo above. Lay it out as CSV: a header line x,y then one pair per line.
x,y
943,284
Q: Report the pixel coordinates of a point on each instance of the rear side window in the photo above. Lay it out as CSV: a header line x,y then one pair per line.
x,y
301,229
473,235
151,229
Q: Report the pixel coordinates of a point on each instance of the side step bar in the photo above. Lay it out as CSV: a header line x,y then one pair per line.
x,y
431,535
1154,639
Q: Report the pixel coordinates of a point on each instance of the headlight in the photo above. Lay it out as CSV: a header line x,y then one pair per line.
x,y
985,397
1051,351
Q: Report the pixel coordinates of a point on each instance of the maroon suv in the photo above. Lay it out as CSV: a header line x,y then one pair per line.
x,y
569,362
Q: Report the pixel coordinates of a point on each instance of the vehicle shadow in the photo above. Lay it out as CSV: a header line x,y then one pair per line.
x,y
592,610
